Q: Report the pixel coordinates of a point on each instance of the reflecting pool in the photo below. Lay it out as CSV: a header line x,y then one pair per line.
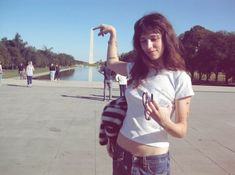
x,y
82,73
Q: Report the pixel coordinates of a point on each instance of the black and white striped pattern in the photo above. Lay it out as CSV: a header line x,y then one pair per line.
x,y
111,120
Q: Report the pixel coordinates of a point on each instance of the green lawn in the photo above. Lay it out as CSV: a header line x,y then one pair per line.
x,y
14,73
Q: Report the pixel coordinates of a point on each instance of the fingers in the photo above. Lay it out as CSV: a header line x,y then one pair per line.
x,y
152,106
101,33
152,109
98,27
148,109
155,105
102,29
95,28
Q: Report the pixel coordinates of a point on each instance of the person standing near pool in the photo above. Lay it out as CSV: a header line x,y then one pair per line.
x,y
122,81
52,71
29,73
107,80
1,72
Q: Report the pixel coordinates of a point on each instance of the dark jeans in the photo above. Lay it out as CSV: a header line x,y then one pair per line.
x,y
109,84
122,89
125,163
29,80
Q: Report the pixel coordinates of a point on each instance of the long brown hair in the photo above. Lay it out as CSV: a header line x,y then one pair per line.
x,y
172,59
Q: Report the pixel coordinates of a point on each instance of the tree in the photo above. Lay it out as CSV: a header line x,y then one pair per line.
x,y
191,41
211,52
48,53
228,63
18,42
128,57
4,56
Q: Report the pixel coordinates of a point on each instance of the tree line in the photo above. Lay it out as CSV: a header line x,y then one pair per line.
x,y
15,51
206,53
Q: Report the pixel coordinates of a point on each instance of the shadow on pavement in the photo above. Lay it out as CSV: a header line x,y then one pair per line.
x,y
84,97
16,85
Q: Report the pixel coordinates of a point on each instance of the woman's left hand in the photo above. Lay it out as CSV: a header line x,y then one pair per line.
x,y
160,114
105,29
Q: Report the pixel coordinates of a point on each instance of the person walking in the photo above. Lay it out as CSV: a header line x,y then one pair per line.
x,y
158,96
57,72
52,71
107,80
21,71
29,73
1,72
122,80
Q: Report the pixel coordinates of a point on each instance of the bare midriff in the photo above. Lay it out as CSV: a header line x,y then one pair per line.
x,y
139,149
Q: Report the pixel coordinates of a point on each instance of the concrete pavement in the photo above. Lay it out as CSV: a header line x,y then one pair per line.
x,y
52,129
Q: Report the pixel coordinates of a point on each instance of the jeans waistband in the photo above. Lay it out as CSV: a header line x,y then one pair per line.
x,y
128,155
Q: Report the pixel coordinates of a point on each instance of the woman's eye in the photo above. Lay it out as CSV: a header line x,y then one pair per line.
x,y
143,41
156,38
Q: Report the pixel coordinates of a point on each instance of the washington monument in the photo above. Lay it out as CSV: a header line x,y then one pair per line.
x,y
90,61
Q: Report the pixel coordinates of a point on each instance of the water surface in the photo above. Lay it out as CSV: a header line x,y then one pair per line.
x,y
82,73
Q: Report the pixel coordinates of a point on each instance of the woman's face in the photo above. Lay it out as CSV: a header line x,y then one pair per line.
x,y
152,44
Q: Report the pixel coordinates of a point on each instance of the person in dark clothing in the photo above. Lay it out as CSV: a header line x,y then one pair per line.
x,y
52,71
21,70
107,80
57,72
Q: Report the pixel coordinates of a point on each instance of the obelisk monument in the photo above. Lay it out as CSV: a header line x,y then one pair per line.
x,y
90,61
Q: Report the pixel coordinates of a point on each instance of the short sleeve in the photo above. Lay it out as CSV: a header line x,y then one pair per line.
x,y
183,86
129,66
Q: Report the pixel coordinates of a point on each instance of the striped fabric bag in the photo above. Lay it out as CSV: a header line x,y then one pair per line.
x,y
111,120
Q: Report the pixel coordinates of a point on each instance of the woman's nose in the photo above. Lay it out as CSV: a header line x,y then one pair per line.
x,y
149,44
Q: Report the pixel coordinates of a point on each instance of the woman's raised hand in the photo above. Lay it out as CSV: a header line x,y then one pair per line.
x,y
104,29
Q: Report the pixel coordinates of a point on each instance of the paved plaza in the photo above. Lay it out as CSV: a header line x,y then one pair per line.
x,y
52,129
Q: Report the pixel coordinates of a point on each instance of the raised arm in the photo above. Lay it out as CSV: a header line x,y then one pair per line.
x,y
113,61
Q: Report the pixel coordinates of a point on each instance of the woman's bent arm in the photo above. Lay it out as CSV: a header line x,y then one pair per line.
x,y
113,61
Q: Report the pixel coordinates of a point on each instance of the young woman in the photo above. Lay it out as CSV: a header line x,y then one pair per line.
x,y
29,73
1,72
158,96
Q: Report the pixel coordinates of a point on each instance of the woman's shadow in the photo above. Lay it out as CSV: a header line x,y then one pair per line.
x,y
92,97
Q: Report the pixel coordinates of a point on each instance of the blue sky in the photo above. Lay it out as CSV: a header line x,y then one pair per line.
x,y
65,24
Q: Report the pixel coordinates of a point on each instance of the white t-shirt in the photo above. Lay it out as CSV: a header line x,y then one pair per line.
x,y
121,79
166,87
0,69
29,70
